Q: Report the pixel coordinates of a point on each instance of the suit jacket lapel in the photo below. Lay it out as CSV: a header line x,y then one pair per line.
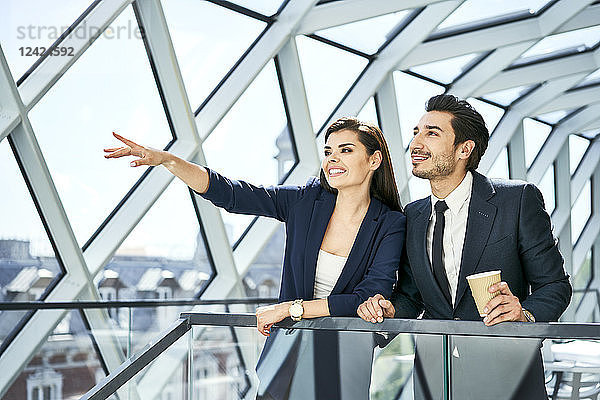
x,y
319,219
479,225
359,247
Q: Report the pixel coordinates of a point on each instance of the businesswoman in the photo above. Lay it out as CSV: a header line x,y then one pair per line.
x,y
344,231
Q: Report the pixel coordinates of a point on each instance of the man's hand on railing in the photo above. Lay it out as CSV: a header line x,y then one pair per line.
x,y
375,309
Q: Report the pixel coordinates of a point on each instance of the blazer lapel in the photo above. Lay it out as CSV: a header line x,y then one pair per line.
x,y
359,247
479,225
319,219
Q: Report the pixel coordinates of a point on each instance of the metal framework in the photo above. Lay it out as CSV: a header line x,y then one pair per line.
x,y
414,43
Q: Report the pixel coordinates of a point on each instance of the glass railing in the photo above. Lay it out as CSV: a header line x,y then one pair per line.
x,y
89,340
213,356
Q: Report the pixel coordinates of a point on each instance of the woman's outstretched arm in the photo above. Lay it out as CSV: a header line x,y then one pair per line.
x,y
268,315
194,175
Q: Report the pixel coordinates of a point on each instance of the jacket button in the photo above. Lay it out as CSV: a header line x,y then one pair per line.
x,y
456,319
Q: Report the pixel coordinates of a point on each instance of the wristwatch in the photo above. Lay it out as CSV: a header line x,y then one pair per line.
x,y
529,316
296,310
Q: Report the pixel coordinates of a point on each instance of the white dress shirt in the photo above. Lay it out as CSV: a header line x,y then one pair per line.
x,y
329,269
455,228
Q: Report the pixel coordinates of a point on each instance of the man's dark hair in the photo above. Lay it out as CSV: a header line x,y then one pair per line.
x,y
466,122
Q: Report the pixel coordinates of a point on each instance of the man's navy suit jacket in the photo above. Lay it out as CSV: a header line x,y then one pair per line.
x,y
372,263
508,229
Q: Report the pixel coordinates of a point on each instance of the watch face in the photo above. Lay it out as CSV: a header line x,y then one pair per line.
x,y
296,310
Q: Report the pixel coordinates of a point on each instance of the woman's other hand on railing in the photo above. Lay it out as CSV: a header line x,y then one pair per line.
x,y
375,309
266,316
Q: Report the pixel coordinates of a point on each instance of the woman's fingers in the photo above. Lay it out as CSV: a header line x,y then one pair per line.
x,y
118,152
128,142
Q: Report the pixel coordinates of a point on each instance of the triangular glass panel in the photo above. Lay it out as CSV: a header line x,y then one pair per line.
x,y
110,88
506,97
581,211
576,41
446,71
264,274
252,142
208,41
369,112
500,167
380,29
28,264
264,7
535,134
65,367
490,113
548,190
554,117
577,147
591,79
474,13
412,93
24,34
155,262
328,75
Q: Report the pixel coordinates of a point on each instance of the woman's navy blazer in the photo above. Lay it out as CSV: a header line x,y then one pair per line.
x,y
373,260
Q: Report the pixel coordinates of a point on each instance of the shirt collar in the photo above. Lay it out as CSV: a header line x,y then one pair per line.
x,y
458,197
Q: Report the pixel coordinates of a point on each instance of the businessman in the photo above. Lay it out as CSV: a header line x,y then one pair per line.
x,y
473,224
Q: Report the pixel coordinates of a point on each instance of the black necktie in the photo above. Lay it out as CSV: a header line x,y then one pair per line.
x,y
437,250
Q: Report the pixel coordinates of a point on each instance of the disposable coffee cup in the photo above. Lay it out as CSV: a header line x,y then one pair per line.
x,y
480,284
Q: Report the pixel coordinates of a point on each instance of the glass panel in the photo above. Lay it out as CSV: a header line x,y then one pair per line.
x,y
546,186
253,142
392,369
28,265
577,147
22,28
264,274
580,212
265,7
155,263
507,96
535,134
66,365
223,361
412,94
591,79
567,362
369,112
554,117
582,279
446,71
208,40
578,40
328,74
477,12
110,88
500,167
490,113
379,29
418,188
147,323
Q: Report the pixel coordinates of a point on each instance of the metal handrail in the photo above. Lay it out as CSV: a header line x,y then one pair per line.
x,y
541,330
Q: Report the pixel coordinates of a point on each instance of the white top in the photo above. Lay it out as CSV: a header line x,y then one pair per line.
x,y
455,228
329,268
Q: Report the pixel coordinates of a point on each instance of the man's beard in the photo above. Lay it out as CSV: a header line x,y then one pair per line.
x,y
443,165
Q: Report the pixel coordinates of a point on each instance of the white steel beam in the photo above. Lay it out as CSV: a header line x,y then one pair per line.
x,y
391,56
338,13
242,76
586,168
387,108
572,99
516,154
487,39
524,107
557,138
9,108
52,68
542,71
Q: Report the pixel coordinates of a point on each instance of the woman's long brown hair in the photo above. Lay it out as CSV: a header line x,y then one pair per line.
x,y
383,185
